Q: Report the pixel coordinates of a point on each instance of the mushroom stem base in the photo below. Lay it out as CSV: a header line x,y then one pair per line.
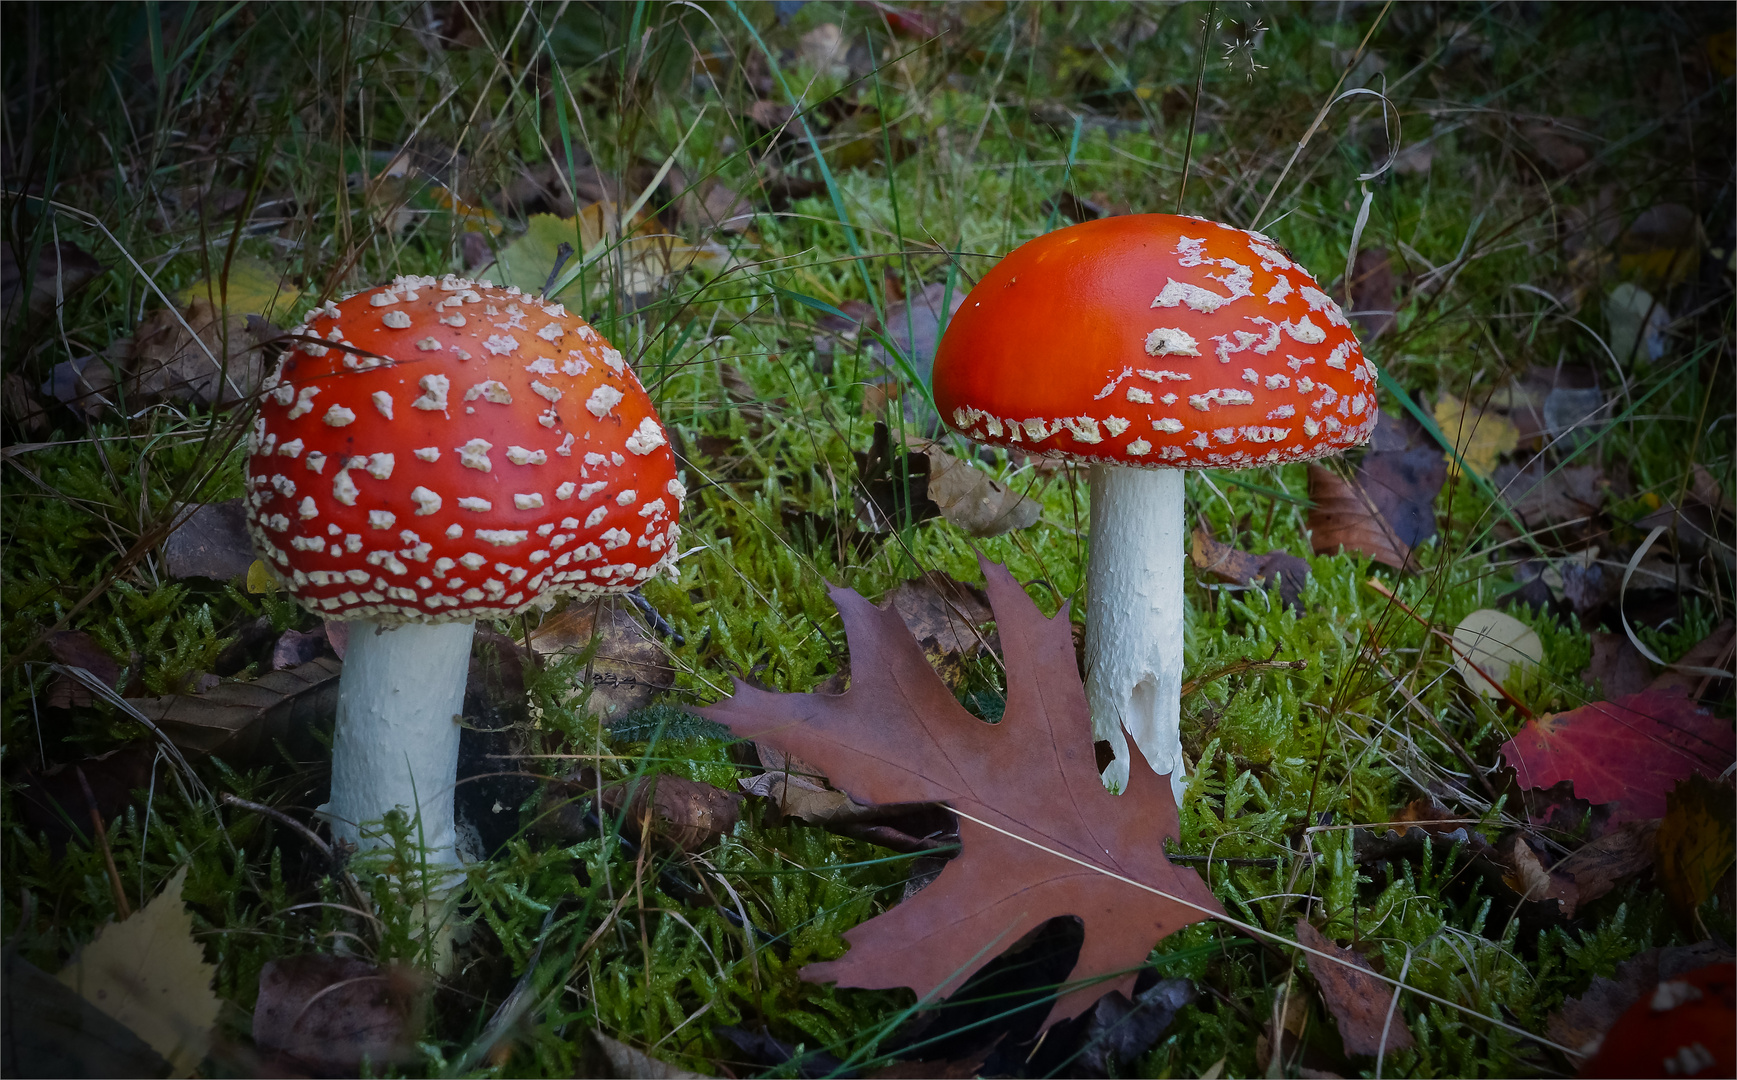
x,y
396,739
1134,617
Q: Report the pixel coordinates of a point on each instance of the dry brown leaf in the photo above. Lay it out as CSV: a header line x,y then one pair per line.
x,y
1241,568
970,498
1358,1001
898,736
211,542
631,1064
631,666
939,608
1617,667
332,1014
684,813
222,365
62,269
1601,863
150,974
244,722
1526,874
1343,517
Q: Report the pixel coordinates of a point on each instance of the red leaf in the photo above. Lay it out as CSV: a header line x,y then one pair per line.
x,y
1631,752
897,735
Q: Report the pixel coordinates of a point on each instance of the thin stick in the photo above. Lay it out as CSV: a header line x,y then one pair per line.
x,y
1199,84
122,908
1250,928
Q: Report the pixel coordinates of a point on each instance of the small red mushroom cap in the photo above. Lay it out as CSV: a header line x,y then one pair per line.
x,y
1155,340
458,451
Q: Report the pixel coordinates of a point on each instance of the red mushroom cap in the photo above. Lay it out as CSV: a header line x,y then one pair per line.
x,y
1155,340
460,451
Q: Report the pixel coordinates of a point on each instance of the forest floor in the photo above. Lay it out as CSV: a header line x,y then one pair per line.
x,y
1526,210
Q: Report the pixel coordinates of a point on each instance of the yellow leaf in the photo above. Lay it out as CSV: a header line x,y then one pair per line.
x,y
1481,438
259,578
1498,645
149,974
1696,843
255,288
636,264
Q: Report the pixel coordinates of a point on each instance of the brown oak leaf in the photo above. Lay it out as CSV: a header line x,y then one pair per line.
x,y
1053,841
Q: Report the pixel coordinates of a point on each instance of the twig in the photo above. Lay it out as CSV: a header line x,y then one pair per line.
x,y
1240,666
122,908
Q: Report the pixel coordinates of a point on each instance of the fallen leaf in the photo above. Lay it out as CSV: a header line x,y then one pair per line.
x,y
1601,863
1682,1028
212,542
1662,247
1120,1031
1480,438
1403,486
220,363
1525,873
1542,496
1359,1002
631,1064
1581,1022
1696,842
630,667
1241,568
913,325
295,648
75,648
62,269
937,608
1630,752
149,973
334,1015
641,257
1635,324
970,498
51,1031
764,1049
897,735
1617,667
684,813
1495,644
253,287
1713,651
243,722
1373,292
1343,517
85,384
1575,416
1553,147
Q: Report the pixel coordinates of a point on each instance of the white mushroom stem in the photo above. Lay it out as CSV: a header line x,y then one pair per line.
x,y
1134,617
396,742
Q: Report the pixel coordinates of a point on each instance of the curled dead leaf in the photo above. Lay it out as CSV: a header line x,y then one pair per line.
x,y
970,498
220,362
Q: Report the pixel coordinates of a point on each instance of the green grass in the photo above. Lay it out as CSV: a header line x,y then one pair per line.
x,y
123,115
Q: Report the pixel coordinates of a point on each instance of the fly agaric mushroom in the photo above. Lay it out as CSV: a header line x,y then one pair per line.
x,y
1145,345
458,451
